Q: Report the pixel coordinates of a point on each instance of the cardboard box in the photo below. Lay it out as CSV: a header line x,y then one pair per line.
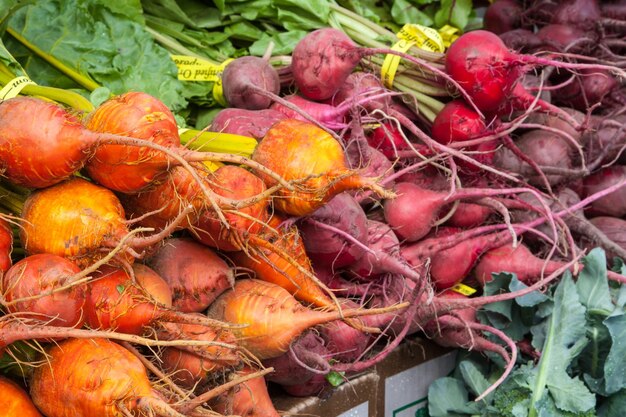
x,y
396,387
406,374
355,398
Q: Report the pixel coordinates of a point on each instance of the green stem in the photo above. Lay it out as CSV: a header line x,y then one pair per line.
x,y
419,86
429,101
6,72
69,98
352,19
179,36
413,71
11,201
366,34
280,61
421,109
79,78
18,190
595,353
172,43
363,40
542,375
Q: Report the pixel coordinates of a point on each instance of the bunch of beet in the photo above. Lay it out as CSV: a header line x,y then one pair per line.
x,y
356,221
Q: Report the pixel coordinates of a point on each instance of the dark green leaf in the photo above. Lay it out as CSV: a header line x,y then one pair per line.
x,y
545,309
454,12
498,285
596,385
546,407
529,300
7,7
422,2
244,31
517,329
592,283
514,317
371,9
283,43
403,12
474,378
95,38
539,332
208,39
249,9
6,59
302,15
565,339
593,358
192,13
614,406
447,394
13,358
615,365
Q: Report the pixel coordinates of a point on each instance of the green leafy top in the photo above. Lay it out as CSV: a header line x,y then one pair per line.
x,y
103,40
578,327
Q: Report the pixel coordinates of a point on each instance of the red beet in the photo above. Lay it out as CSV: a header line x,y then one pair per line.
x,y
329,233
613,204
502,16
519,261
243,77
253,123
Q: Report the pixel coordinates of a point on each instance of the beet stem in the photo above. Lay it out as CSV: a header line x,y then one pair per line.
x,y
408,314
345,235
83,276
174,316
126,141
533,59
297,109
502,336
421,63
146,241
13,330
445,149
313,357
154,405
195,156
439,306
189,405
155,370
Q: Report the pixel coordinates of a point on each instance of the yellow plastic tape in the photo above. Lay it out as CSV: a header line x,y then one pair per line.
x,y
411,34
449,34
463,289
218,90
192,68
14,87
424,37
391,62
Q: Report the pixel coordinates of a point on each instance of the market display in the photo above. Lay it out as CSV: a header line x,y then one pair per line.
x,y
204,205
